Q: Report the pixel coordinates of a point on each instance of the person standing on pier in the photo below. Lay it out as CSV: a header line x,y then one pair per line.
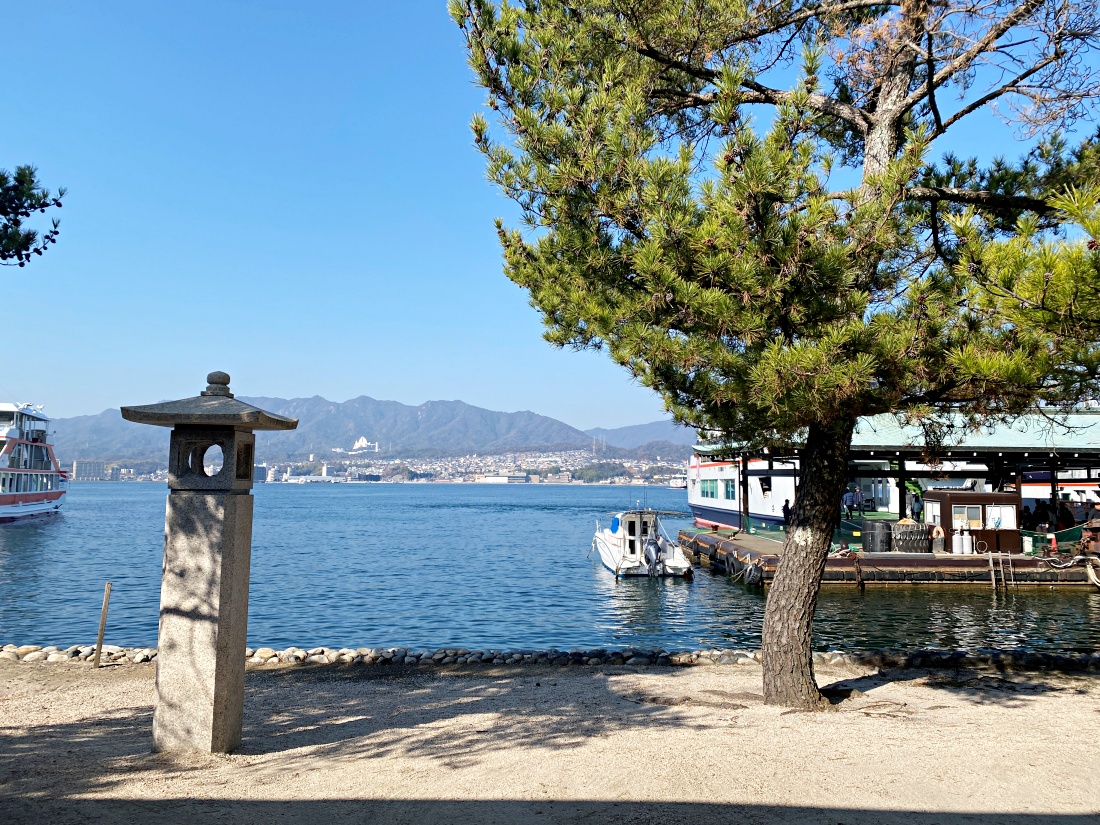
x,y
786,511
858,495
1066,520
848,500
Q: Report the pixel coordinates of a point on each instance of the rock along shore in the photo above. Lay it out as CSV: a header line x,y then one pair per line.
x,y
1018,660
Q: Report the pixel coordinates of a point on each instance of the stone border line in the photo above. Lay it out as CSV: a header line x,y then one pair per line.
x,y
1019,660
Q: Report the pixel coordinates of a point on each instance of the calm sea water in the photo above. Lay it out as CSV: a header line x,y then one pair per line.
x,y
480,566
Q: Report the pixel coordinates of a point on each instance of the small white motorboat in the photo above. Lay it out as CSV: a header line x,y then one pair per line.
x,y
635,544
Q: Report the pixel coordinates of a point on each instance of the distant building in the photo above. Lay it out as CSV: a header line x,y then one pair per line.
x,y
361,445
272,474
259,472
509,479
89,471
114,473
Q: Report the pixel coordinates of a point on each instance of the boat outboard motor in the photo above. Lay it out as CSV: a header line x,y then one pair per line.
x,y
654,556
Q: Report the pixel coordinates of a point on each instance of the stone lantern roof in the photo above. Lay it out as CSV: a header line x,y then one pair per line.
x,y
214,407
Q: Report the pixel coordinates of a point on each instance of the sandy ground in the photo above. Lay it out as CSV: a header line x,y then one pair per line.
x,y
332,745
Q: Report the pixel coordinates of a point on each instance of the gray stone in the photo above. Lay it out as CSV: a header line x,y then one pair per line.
x,y
411,660
51,649
204,614
23,650
317,659
36,656
448,660
264,653
9,656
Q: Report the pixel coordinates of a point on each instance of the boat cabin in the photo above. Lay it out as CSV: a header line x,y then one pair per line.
x,y
634,528
991,519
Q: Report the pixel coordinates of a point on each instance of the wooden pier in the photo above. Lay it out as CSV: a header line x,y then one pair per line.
x,y
753,559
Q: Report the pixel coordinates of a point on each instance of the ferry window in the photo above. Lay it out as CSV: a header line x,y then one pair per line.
x,y
731,489
766,485
967,515
931,512
3,482
708,488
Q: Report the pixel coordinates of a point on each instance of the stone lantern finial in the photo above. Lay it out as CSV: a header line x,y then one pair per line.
x,y
217,383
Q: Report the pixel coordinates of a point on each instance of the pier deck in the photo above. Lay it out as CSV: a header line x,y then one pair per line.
x,y
735,553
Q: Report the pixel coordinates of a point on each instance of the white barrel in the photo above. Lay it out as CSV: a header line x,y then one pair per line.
x,y
956,543
967,544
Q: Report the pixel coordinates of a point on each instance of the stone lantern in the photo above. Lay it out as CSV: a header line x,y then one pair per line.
x,y
207,553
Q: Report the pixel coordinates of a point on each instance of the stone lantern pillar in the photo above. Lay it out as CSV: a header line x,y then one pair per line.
x,y
207,553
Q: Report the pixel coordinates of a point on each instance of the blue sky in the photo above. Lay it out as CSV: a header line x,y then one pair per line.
x,y
285,191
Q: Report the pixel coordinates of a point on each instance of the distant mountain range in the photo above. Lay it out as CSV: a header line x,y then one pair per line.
x,y
635,436
435,428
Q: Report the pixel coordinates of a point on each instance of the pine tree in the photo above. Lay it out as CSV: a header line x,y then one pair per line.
x,y
1046,286
21,197
720,262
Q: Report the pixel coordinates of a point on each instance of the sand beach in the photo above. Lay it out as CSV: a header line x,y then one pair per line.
x,y
559,744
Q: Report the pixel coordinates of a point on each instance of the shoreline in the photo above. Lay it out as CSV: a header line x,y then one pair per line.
x,y
1011,660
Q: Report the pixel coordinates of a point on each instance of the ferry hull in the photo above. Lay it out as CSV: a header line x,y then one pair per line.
x,y
723,519
18,507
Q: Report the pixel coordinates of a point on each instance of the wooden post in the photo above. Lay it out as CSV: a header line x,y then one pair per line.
x,y
902,490
102,624
744,493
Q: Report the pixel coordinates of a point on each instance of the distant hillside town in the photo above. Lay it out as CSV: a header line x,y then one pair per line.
x,y
562,467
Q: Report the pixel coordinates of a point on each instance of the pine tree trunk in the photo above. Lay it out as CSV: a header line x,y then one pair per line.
x,y
792,598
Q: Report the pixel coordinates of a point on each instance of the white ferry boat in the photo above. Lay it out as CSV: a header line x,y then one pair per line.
x,y
32,483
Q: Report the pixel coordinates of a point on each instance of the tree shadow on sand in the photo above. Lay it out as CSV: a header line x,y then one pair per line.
x,y
973,685
304,718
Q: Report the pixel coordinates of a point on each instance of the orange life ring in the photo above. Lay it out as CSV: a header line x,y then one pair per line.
x,y
937,532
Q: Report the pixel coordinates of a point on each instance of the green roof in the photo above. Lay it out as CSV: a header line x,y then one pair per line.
x,y
1066,435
